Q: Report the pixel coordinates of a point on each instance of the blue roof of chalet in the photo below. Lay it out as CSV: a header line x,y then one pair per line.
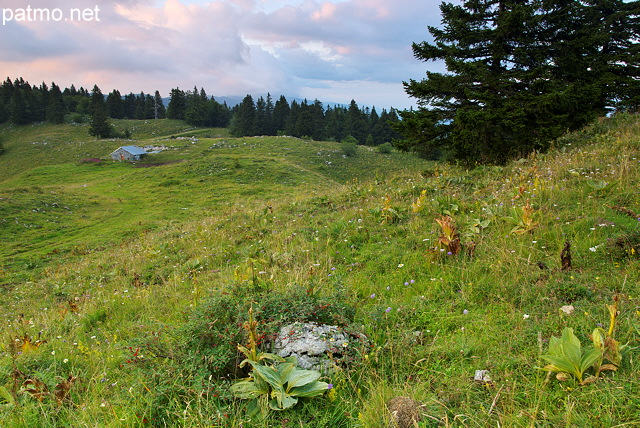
x,y
134,150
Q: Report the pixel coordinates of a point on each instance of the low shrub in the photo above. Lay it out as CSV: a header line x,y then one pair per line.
x,y
385,148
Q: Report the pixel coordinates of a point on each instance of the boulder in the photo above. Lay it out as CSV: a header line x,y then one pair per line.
x,y
316,346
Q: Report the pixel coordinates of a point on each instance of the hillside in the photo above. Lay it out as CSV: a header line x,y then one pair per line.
x,y
58,197
125,287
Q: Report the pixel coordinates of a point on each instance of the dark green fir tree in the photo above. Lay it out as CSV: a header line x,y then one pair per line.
x,y
519,74
99,125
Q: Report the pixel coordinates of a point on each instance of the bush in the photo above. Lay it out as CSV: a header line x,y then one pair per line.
x,y
385,148
349,146
209,338
77,118
350,139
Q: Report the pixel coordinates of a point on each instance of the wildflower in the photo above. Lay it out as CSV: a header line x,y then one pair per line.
x,y
65,361
525,316
388,309
330,386
465,312
406,283
412,281
401,265
372,296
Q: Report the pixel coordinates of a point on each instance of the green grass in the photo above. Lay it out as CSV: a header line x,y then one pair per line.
x,y
106,260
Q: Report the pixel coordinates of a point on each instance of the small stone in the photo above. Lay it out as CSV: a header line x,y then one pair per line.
x,y
482,376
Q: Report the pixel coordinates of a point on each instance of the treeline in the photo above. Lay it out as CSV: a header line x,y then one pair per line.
x,y
22,103
312,120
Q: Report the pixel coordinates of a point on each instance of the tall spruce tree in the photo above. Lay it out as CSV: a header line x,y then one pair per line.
x,y
99,125
280,114
18,108
177,104
115,106
55,106
519,73
243,122
196,113
158,106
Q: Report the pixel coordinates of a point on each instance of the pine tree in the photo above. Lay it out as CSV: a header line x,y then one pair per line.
x,y
281,112
18,109
115,105
356,123
129,106
520,73
261,117
177,104
159,110
55,107
243,122
269,124
196,113
99,125
219,114
6,92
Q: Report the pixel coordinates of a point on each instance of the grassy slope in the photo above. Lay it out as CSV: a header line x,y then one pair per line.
x,y
292,210
53,202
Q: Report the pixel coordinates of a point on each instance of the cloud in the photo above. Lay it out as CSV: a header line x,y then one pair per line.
x,y
338,48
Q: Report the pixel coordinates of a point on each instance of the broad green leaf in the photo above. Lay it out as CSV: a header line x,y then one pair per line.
x,y
289,401
284,371
598,338
283,402
589,358
292,359
270,375
571,347
253,407
310,390
246,389
301,377
554,346
560,364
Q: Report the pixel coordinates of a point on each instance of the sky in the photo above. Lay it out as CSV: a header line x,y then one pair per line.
x,y
333,51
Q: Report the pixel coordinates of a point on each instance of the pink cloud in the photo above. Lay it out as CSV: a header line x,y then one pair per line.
x,y
226,46
325,12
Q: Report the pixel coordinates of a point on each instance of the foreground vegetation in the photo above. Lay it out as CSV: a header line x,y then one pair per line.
x,y
125,289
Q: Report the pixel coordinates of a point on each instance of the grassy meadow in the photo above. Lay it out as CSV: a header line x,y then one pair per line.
x,y
125,287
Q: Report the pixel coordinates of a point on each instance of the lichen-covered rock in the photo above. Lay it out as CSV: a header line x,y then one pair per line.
x,y
316,346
